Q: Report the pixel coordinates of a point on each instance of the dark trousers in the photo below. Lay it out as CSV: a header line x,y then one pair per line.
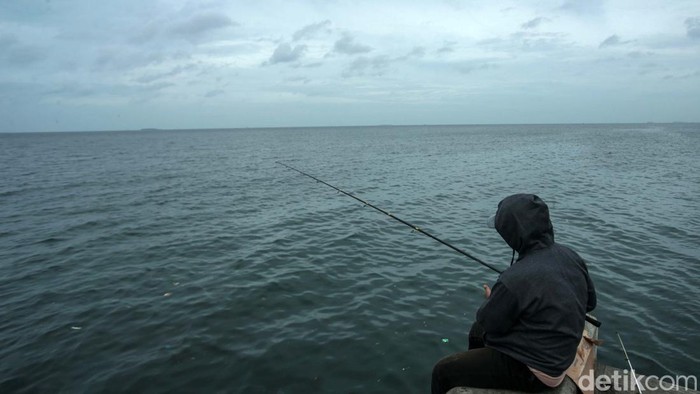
x,y
483,367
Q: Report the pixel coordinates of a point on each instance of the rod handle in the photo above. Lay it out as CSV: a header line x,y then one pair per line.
x,y
593,321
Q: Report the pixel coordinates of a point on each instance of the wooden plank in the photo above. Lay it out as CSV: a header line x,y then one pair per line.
x,y
566,387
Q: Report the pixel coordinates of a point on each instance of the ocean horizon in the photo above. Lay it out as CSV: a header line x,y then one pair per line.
x,y
389,125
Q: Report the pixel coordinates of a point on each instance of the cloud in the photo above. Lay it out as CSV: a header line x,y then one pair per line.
x,y
640,54
417,52
695,74
14,53
347,45
119,59
7,41
544,42
298,80
447,47
310,30
201,23
313,65
533,23
285,53
527,41
214,93
156,86
192,27
376,65
364,65
72,91
78,90
692,26
414,53
24,56
588,7
612,41
471,66
147,33
176,53
167,74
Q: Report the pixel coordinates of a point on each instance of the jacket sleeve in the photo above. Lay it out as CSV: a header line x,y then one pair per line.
x,y
500,311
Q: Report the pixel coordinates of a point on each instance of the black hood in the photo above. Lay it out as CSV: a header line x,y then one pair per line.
x,y
523,222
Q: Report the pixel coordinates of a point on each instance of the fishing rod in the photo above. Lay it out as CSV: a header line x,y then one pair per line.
x,y
414,228
634,376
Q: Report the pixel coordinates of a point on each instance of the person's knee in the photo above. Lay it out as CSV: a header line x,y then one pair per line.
x,y
437,385
446,362
444,370
437,369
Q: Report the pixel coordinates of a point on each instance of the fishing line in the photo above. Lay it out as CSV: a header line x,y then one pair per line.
x,y
413,227
634,375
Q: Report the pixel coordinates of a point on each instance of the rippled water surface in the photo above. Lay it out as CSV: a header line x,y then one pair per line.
x,y
173,261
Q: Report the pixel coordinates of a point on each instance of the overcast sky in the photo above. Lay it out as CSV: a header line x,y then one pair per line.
x,y
131,64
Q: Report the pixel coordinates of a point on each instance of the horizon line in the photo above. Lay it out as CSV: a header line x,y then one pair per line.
x,y
147,129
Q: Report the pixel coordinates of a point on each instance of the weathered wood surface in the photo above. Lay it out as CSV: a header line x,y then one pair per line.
x,y
566,387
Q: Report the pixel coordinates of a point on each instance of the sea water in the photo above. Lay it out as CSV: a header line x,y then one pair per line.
x,y
189,261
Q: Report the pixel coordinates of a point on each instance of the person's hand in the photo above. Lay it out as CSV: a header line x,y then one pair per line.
x,y
487,291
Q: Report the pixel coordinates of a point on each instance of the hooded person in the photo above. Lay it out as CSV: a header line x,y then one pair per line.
x,y
527,330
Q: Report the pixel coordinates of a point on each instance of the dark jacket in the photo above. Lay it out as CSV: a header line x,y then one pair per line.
x,y
537,308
